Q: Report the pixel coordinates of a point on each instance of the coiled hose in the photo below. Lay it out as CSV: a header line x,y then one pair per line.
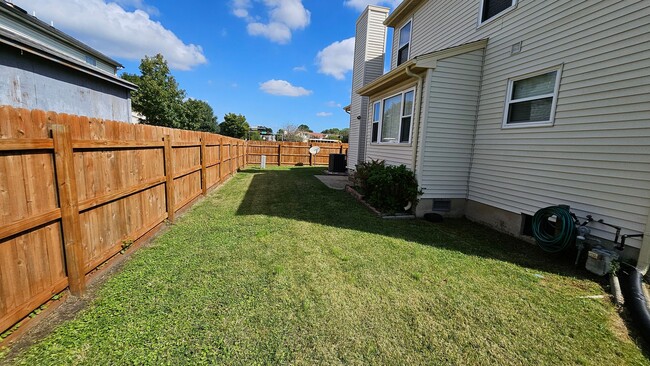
x,y
554,237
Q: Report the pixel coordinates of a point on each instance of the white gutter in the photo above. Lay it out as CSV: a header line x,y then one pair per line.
x,y
417,112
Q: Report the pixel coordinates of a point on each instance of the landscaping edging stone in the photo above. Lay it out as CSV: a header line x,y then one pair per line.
x,y
359,198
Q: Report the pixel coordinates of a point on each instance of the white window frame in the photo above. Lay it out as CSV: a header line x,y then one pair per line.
x,y
399,35
504,12
399,130
373,121
509,100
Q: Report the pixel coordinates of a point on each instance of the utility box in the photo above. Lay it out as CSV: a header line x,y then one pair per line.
x,y
263,162
337,163
599,261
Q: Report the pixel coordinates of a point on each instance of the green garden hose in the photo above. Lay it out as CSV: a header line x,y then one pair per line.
x,y
554,237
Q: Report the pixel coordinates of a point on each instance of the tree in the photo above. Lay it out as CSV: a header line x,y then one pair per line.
x,y
345,135
199,116
158,97
292,133
255,136
304,128
234,125
331,131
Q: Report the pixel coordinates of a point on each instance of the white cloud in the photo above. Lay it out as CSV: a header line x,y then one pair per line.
x,y
300,68
283,88
283,17
333,104
139,4
336,59
116,32
362,4
323,114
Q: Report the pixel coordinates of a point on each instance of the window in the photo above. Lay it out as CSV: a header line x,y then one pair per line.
x,y
375,121
492,8
404,43
394,122
531,99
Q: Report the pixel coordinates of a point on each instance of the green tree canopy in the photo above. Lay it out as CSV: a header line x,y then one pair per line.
x,y
331,131
304,128
199,116
158,97
234,125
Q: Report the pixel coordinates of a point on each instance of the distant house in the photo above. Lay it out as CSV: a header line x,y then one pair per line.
x,y
44,68
504,107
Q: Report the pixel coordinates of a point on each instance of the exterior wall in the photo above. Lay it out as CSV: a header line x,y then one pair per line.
x,y
448,128
595,157
369,53
35,83
19,27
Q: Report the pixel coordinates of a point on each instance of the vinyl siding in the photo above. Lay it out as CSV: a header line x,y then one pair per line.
x,y
596,157
449,126
357,82
368,65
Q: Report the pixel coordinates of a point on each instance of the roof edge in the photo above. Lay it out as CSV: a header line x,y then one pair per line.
x,y
418,64
405,8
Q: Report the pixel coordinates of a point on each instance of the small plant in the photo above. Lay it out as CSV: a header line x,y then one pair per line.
x,y
125,245
388,188
615,266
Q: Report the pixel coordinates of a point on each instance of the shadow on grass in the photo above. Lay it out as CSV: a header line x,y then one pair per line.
x,y
296,194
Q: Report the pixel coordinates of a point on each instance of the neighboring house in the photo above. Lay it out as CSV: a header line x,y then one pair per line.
x,y
43,68
504,107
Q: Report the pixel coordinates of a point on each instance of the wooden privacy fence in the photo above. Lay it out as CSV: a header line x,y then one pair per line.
x,y
292,153
74,190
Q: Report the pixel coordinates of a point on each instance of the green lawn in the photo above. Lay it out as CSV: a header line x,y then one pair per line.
x,y
274,268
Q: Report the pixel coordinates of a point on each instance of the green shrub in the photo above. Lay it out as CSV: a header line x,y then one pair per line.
x,y
388,188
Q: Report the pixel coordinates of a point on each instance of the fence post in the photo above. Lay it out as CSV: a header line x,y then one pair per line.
x,y
230,158
220,158
204,167
69,204
311,156
340,148
245,153
169,174
279,154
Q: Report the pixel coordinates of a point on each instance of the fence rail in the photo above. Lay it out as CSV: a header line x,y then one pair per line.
x,y
73,190
292,153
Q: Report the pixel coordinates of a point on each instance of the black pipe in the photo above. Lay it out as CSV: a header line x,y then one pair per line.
x,y
635,300
621,246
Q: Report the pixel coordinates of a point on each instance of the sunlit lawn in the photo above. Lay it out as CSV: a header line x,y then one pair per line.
x,y
275,268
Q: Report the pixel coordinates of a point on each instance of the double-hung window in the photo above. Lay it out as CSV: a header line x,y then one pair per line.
x,y
492,8
393,124
404,45
531,99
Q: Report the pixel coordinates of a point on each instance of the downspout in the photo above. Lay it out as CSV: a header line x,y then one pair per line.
x,y
417,112
643,263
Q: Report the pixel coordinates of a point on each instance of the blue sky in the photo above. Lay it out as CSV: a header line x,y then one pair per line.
x,y
277,62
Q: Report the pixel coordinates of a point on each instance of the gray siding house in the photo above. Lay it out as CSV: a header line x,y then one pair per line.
x,y
505,107
43,68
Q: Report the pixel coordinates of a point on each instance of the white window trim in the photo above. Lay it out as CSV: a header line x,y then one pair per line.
x,y
372,121
399,33
555,95
504,12
399,131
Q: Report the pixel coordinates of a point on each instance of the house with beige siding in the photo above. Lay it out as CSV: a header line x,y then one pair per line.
x,y
503,107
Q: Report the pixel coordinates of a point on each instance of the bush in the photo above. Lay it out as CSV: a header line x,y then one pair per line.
x,y
388,188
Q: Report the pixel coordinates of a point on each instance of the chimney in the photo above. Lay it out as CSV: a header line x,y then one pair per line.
x,y
369,52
